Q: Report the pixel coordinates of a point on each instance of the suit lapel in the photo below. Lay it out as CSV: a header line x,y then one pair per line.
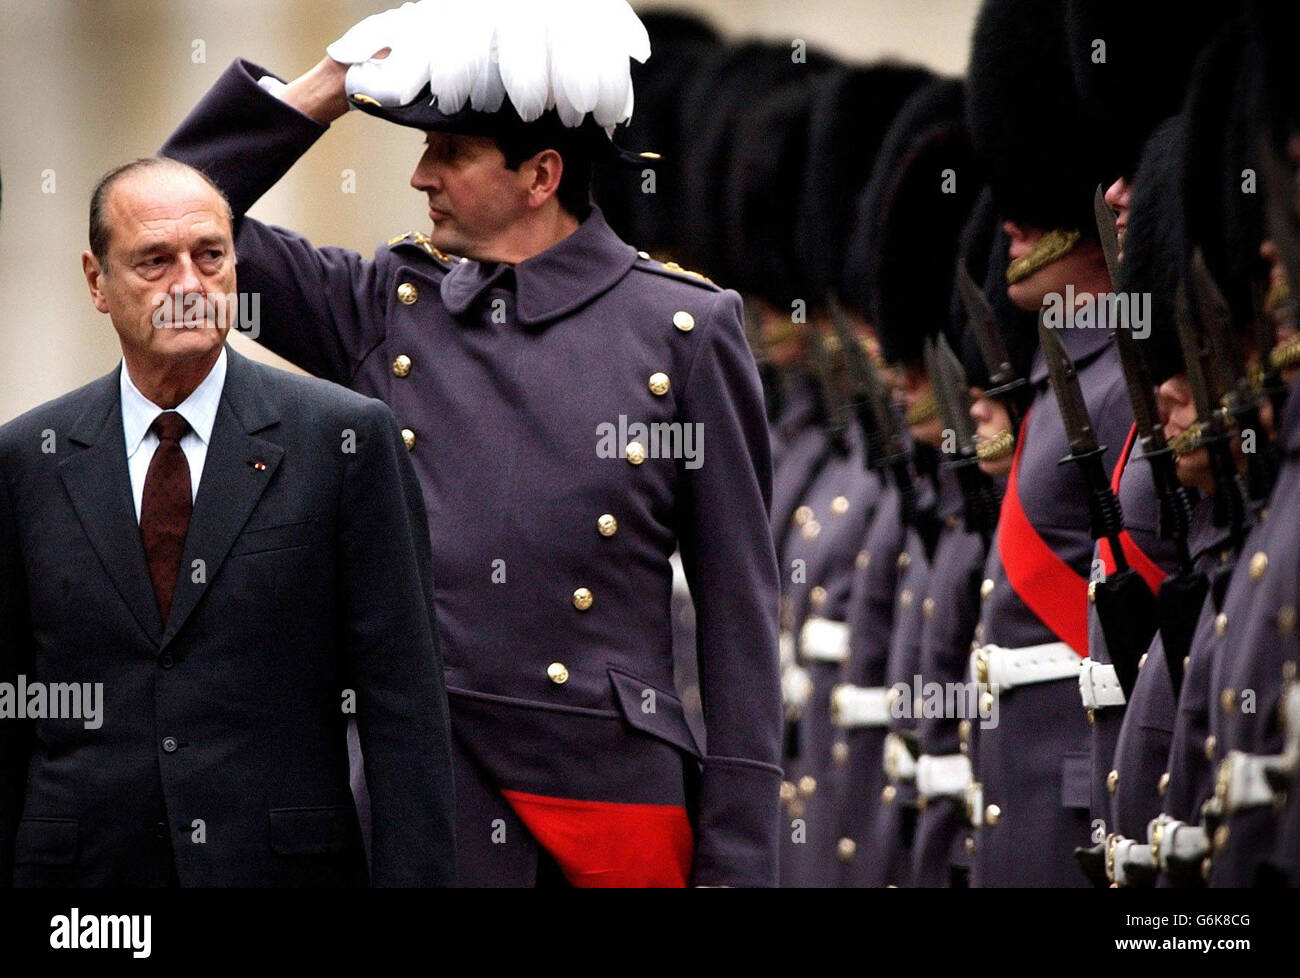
x,y
236,471
99,486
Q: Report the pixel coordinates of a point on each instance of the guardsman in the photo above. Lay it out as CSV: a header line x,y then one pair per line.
x,y
822,473
1150,219
922,187
1032,769
1254,673
849,116
1219,292
553,385
1127,93
967,508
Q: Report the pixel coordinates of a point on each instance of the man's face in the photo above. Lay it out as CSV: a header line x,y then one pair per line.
x,y
1119,197
918,391
169,267
474,198
1082,263
1178,412
992,422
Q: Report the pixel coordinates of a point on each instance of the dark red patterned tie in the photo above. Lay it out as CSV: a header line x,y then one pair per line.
x,y
165,508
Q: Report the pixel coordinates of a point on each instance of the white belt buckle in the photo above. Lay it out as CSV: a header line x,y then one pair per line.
x,y
1099,685
824,640
898,761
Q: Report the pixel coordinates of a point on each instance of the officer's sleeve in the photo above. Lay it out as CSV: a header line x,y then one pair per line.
x,y
15,659
393,656
319,308
731,567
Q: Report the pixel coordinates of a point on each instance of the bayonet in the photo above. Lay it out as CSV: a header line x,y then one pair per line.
x,y
1109,232
948,380
1280,214
875,410
1175,498
1212,421
1107,519
1240,398
833,402
1004,383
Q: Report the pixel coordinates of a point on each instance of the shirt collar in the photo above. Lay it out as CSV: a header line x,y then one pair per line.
x,y
199,409
551,284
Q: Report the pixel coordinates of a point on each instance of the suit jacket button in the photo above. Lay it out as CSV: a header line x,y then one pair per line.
x,y
684,321
659,383
167,661
582,598
406,293
635,452
160,830
607,525
169,745
408,438
557,673
402,365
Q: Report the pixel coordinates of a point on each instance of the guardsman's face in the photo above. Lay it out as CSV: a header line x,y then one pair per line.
x,y
917,391
1080,263
1178,412
474,198
169,271
991,421
1119,197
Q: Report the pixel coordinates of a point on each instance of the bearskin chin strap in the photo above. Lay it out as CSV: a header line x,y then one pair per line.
x,y
1051,246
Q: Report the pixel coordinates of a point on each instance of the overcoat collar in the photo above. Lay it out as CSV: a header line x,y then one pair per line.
x,y
552,284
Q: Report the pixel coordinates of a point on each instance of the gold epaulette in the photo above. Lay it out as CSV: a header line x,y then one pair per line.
x,y
672,266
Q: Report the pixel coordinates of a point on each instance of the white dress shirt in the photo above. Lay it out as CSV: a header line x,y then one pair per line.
x,y
199,409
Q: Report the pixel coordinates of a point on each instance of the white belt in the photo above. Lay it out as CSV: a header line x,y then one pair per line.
x,y
942,775
1171,839
1243,780
824,640
1099,685
796,689
899,763
1007,668
859,706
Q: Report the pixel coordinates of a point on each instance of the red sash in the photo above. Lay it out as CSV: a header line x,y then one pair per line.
x,y
1150,571
1046,584
602,843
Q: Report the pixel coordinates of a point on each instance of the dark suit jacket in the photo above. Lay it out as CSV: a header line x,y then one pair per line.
x,y
306,574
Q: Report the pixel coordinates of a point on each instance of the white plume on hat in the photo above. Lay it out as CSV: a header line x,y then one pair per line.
x,y
568,55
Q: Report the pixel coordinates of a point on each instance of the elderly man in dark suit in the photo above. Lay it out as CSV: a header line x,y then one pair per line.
x,y
195,539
